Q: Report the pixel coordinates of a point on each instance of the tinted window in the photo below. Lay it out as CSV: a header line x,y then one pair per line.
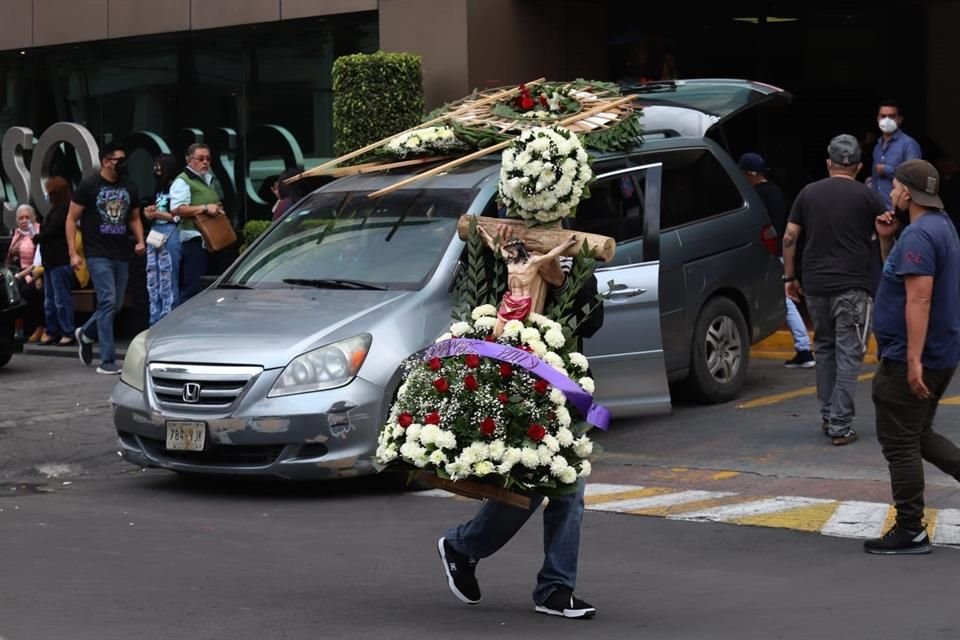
x,y
695,186
614,208
394,241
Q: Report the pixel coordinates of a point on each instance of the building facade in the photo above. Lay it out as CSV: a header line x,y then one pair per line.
x,y
253,77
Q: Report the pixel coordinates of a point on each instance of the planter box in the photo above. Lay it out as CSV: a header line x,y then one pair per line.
x,y
475,490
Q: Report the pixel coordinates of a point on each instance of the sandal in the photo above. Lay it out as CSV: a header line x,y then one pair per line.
x,y
48,340
66,341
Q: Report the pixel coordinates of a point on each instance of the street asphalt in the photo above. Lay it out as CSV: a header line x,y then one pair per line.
x,y
95,548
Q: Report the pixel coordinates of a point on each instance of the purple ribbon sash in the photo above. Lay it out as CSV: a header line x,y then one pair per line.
x,y
592,412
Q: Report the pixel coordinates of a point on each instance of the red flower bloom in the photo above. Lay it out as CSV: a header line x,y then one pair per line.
x,y
441,385
432,418
472,361
505,370
536,432
543,100
405,420
503,398
490,338
435,364
488,426
526,103
541,386
470,382
551,416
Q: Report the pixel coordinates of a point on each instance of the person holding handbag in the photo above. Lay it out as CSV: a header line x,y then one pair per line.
x,y
20,258
163,243
58,274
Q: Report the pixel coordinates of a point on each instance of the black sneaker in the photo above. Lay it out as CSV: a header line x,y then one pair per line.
x,y
802,360
898,541
563,603
109,368
846,437
461,573
84,347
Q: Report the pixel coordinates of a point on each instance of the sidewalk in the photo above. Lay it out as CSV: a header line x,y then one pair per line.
x,y
71,351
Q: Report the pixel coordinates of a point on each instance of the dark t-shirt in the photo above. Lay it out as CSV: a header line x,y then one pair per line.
x,y
106,216
776,207
929,247
837,216
53,239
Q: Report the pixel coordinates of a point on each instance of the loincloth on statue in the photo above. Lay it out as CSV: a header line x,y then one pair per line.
x,y
514,308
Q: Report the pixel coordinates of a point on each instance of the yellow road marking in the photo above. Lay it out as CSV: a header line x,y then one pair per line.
x,y
646,492
950,400
765,401
808,518
724,475
929,519
674,509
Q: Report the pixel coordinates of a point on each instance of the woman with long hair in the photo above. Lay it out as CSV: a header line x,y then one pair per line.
x,y
57,272
163,243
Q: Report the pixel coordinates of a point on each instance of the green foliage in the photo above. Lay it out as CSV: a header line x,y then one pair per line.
x,y
374,97
473,286
561,308
253,230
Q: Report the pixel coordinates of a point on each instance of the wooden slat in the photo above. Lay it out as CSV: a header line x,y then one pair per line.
x,y
476,490
543,240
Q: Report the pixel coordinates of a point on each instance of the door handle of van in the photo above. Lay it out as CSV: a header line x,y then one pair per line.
x,y
620,291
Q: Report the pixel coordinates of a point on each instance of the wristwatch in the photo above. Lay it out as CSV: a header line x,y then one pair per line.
x,y
790,279
176,219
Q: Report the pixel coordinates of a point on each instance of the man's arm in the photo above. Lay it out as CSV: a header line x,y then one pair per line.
x,y
919,292
136,225
180,201
790,237
70,228
912,152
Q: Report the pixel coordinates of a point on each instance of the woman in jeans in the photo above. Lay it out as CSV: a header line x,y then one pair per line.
x,y
57,272
163,263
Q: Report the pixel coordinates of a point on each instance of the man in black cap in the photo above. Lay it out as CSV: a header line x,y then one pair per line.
x,y
836,216
757,172
918,334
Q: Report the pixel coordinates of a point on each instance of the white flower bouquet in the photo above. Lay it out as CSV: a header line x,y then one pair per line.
x,y
511,412
544,174
429,140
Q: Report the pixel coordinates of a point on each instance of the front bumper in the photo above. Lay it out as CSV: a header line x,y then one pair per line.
x,y
322,435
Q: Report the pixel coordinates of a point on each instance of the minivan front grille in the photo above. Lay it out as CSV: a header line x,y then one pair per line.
x,y
190,387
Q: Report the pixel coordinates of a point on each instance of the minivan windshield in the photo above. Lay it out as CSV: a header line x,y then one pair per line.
x,y
347,240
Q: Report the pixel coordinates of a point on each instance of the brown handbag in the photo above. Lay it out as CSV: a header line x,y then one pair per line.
x,y
216,230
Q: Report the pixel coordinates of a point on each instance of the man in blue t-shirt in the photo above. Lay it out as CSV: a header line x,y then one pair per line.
x,y
917,325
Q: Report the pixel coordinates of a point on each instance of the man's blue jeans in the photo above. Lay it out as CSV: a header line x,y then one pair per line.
x,y
58,301
496,523
109,279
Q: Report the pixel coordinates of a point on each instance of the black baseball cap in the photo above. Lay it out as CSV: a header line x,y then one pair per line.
x,y
844,150
923,181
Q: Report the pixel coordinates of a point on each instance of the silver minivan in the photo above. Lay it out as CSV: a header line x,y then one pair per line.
x,y
287,364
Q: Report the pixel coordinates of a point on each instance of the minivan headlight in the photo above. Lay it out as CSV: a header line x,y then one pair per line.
x,y
134,362
325,368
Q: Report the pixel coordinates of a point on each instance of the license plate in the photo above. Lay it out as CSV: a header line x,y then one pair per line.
x,y
186,436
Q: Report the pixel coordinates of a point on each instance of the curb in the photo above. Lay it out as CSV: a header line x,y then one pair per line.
x,y
779,346
67,352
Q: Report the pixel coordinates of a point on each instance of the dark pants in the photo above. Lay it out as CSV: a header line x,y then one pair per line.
x,y
193,267
906,435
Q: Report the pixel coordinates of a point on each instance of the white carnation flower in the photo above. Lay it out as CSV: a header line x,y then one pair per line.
x,y
553,359
457,470
468,457
513,455
505,467
512,329
483,311
578,360
398,431
529,458
551,443
429,434
557,397
438,458
583,447
483,468
565,436
557,465
460,328
544,454
568,475
446,440
538,319
413,432
421,460
538,348
481,450
497,450
485,324
564,419
585,468
555,338
587,383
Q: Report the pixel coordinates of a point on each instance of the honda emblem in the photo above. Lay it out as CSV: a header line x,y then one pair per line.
x,y
191,392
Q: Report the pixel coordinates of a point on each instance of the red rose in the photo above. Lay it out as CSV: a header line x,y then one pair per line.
x,y
505,370
432,418
543,99
488,426
527,103
490,338
470,383
503,398
405,420
472,361
435,364
441,385
541,386
536,432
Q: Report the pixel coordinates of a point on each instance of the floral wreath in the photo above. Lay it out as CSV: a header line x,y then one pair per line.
x,y
544,174
429,140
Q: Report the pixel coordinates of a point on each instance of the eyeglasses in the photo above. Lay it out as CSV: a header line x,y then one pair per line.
x,y
201,158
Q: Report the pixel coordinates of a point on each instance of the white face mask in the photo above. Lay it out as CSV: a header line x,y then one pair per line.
x,y
887,125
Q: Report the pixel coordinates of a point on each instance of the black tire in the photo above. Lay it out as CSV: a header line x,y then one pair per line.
x,y
5,358
720,353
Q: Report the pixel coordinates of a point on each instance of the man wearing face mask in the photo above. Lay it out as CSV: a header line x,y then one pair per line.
x,y
836,216
195,191
893,149
106,207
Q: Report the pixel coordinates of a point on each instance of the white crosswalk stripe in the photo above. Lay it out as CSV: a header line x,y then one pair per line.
x,y
746,509
947,530
663,500
857,520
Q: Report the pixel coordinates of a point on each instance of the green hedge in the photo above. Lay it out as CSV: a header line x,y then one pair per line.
x,y
375,96
253,230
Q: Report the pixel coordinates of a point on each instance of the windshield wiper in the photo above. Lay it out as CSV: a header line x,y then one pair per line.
x,y
233,285
334,283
